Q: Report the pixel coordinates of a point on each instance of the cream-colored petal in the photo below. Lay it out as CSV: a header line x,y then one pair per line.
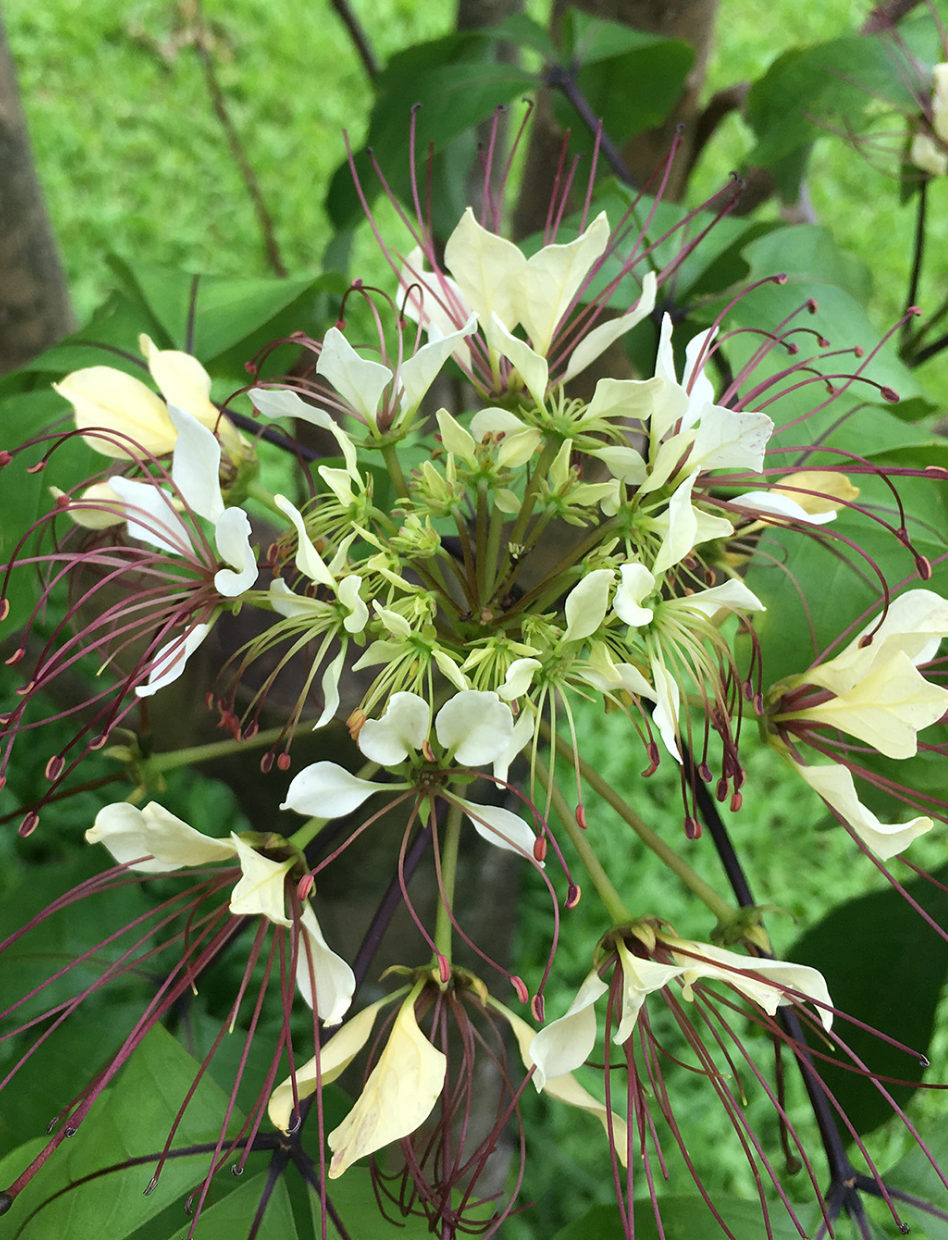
x,y
500,827
232,537
637,584
130,833
325,790
307,559
489,270
196,465
474,725
594,343
102,396
169,662
532,368
552,278
564,1044
402,730
262,885
398,1097
587,604
835,785
182,381
316,961
333,1059
358,381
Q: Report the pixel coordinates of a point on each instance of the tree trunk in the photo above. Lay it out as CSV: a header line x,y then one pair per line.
x,y
34,301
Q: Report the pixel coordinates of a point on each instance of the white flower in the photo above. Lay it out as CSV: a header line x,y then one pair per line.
x,y
110,399
474,728
504,289
835,785
880,695
154,841
931,153
566,1043
152,517
361,382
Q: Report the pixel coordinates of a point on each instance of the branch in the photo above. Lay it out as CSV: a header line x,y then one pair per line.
x,y
241,159
358,37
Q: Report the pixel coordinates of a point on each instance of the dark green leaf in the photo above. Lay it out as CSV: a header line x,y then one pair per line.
x,y
915,1173
685,1218
884,966
231,1218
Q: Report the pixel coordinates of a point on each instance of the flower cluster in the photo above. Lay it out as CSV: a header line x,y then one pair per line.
x,y
455,596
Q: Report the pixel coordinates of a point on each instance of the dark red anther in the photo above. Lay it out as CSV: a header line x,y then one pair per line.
x,y
520,987
4,608
653,759
54,767
29,824
581,816
251,730
704,772
539,848
283,762
890,394
573,894
62,502
37,468
692,827
16,656
99,741
305,886
5,457
859,351
737,800
444,969
722,789
812,305
266,763
924,568
537,1008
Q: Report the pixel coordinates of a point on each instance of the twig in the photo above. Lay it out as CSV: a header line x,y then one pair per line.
x,y
358,37
918,254
885,15
564,80
247,174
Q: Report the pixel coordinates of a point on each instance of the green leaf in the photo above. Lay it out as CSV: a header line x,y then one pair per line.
x,y
89,1191
630,80
884,966
686,1218
916,1174
231,1218
458,84
353,1197
226,310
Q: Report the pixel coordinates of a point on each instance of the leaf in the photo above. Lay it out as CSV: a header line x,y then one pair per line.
x,y
100,1196
685,1218
884,966
226,309
231,1218
915,1174
458,84
353,1197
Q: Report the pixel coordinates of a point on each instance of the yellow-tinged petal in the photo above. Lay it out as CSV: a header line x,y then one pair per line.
x,y
398,1096
887,709
489,270
104,397
130,834
835,785
566,1088
182,381
261,888
334,1058
818,490
94,517
552,277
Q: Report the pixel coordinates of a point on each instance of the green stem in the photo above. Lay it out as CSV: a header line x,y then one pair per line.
x,y
256,490
162,762
547,457
722,910
615,906
480,554
394,467
449,873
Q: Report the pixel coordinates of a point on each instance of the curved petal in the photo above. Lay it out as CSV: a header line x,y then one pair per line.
x,y
475,725
488,269
417,373
637,584
151,516
102,396
500,827
533,369
130,833
835,785
587,603
170,661
182,381
280,403
519,678
232,535
316,962
196,465
566,1043
333,1059
552,278
325,790
262,885
397,1098
358,381
593,343
773,503
640,978
402,730
308,559
330,688
731,595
